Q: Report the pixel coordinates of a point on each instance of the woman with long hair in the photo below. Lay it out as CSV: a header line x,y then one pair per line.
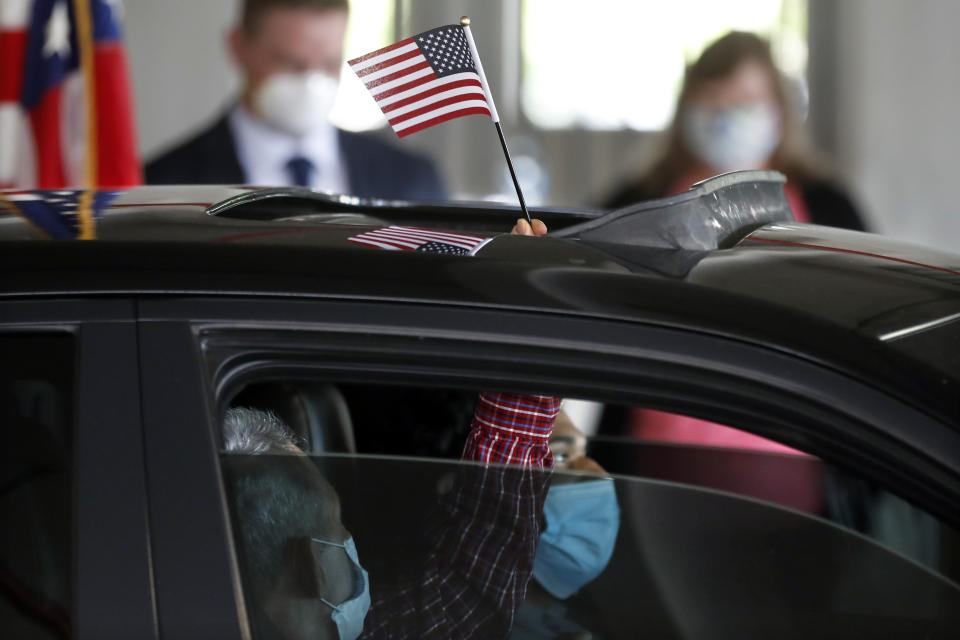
x,y
735,112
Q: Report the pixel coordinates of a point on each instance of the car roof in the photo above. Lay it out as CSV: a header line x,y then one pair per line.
x,y
799,266
778,279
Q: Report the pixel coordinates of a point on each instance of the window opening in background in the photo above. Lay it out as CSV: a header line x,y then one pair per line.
x,y
620,64
370,27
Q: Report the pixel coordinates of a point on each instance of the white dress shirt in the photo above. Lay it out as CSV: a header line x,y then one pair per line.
x,y
264,152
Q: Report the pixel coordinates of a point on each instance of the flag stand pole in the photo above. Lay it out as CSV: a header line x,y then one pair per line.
x,y
465,23
513,174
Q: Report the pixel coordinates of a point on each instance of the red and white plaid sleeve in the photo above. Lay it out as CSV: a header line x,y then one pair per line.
x,y
483,538
512,429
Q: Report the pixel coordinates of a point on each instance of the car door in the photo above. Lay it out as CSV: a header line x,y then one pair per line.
x,y
199,355
75,544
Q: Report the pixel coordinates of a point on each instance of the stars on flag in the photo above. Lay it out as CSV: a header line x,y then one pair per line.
x,y
57,33
447,51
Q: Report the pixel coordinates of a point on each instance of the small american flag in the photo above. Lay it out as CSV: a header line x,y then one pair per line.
x,y
397,238
425,80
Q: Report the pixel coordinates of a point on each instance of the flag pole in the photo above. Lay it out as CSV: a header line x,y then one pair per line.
x,y
86,225
465,23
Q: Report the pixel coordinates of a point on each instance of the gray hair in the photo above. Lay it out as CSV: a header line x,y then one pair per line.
x,y
252,431
273,498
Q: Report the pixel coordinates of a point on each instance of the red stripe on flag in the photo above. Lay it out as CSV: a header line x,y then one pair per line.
x,y
478,111
421,233
45,122
13,48
388,63
399,74
117,162
433,106
431,92
374,54
404,87
383,244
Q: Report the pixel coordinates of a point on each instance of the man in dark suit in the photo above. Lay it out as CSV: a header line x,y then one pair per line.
x,y
290,53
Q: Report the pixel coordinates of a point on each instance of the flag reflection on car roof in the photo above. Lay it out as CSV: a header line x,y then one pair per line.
x,y
399,238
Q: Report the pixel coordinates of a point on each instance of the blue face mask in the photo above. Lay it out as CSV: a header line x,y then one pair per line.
x,y
583,519
350,614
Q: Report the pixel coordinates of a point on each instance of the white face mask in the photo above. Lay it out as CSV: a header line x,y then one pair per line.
x,y
295,102
742,137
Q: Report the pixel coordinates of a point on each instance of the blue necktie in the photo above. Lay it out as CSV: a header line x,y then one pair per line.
x,y
300,169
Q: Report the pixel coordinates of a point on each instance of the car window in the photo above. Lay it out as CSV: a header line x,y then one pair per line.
x,y
36,399
637,441
364,511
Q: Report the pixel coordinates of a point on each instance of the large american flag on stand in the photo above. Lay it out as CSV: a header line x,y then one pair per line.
x,y
66,117
424,80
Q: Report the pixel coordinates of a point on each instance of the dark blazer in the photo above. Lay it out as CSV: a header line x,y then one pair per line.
x,y
375,169
826,204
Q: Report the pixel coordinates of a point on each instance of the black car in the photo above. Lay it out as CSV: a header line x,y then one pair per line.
x,y
132,322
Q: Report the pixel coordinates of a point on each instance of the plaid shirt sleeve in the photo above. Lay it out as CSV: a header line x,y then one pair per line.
x,y
484,537
512,429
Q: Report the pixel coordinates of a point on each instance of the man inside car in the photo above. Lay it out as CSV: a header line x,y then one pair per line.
x,y
304,578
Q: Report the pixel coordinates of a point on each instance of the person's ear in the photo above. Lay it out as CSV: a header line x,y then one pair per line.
x,y
308,573
236,46
332,572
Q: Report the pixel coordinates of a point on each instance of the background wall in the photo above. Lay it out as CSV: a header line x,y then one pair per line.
x,y
890,116
181,74
884,80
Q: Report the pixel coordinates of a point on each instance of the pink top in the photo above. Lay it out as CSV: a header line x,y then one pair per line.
x,y
648,424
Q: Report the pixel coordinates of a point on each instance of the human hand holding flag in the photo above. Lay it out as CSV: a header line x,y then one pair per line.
x,y
432,77
535,227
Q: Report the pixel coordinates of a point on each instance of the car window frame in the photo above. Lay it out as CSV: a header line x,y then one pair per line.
x,y
838,407
196,579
